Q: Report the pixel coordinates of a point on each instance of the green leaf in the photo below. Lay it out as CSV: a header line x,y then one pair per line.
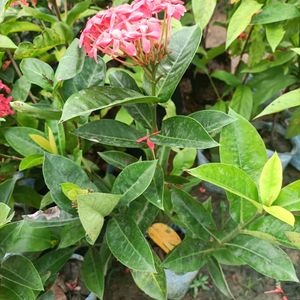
x,y
227,77
92,208
218,277
187,257
263,257
4,214
280,213
49,39
270,181
182,48
68,171
293,127
38,72
241,19
18,26
128,245
19,139
275,33
279,58
230,178
110,132
289,197
71,63
155,191
296,50
6,189
76,11
6,293
21,89
276,12
20,270
21,291
39,111
183,160
37,14
94,269
242,101
192,215
92,74
134,180
119,78
183,132
288,100
152,284
203,11
212,120
118,159
7,43
95,98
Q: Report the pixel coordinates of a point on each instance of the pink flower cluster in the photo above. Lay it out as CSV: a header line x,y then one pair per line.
x,y
5,108
23,3
133,30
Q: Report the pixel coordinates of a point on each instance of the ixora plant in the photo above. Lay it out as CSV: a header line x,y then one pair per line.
x,y
92,167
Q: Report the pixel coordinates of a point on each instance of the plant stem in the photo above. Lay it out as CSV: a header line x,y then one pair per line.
x,y
10,157
213,86
57,12
18,71
66,8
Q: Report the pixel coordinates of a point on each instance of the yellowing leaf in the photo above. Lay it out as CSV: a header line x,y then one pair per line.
x,y
294,237
164,236
280,213
41,141
52,141
270,180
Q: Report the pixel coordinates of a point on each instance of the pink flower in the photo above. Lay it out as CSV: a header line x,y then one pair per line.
x,y
5,108
133,31
146,138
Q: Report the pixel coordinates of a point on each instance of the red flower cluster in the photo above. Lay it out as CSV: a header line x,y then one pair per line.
x,y
5,108
23,3
133,30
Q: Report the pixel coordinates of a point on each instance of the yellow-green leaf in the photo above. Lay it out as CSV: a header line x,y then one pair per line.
x,y
41,141
72,191
270,181
280,213
52,141
294,237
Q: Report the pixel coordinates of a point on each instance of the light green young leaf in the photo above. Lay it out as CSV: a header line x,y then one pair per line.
x,y
270,181
72,191
280,213
203,11
286,101
289,197
275,33
4,214
92,208
241,19
183,159
242,101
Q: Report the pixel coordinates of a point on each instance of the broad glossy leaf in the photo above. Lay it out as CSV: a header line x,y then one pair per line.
x,y
218,277
276,12
289,197
152,284
242,101
21,291
92,74
86,101
128,245
71,63
119,78
7,43
21,270
38,111
92,208
49,39
265,258
187,257
279,58
192,215
274,33
230,178
37,72
270,180
212,120
18,26
288,100
6,293
227,77
155,191
37,14
21,89
4,214
57,170
19,139
110,132
6,189
280,213
134,180
27,195
249,154
203,11
118,159
183,160
94,269
183,132
241,19
182,48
